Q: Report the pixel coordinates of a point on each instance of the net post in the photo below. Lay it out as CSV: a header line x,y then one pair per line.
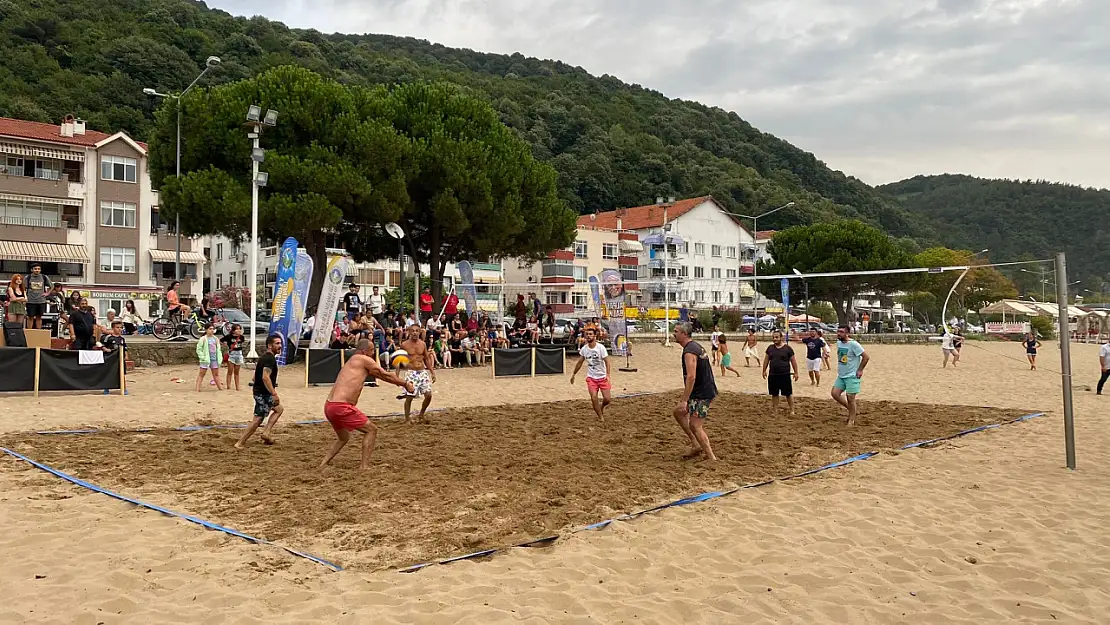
x,y
38,365
307,359
493,363
123,371
1065,357
533,361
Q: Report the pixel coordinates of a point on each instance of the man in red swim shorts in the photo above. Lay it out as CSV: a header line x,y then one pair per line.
x,y
340,407
596,358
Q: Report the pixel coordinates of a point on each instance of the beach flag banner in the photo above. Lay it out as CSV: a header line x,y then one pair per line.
x,y
595,290
330,294
302,280
281,313
613,287
785,287
469,291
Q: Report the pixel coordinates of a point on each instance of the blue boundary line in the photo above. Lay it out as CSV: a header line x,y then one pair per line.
x,y
167,511
711,495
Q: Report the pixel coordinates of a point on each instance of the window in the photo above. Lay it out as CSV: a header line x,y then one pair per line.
x,y
730,273
730,251
118,168
231,278
579,274
716,297
557,269
165,271
104,305
117,214
220,252
44,169
609,251
243,277
395,279
715,273
580,300
715,251
699,272
731,298
629,273
684,271
581,249
21,212
219,281
236,249
117,259
699,296
555,297
369,276
699,249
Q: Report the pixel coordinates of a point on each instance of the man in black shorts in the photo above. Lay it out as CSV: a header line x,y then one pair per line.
x,y
777,367
266,400
697,393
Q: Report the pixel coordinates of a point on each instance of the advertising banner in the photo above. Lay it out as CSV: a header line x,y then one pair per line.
x,y
330,295
282,311
785,287
613,288
595,290
994,327
469,292
302,280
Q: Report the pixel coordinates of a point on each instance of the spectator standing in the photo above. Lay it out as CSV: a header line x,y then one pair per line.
x,y
377,304
37,286
426,304
235,360
451,305
17,299
114,341
537,307
352,303
1104,362
209,355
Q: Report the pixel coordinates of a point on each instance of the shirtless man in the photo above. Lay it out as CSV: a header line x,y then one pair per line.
x,y
422,372
340,408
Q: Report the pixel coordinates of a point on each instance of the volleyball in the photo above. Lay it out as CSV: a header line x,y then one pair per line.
x,y
399,359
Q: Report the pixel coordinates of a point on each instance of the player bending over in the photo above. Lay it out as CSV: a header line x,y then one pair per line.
x,y
340,408
596,358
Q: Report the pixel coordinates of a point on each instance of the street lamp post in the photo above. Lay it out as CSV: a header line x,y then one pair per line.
x,y
755,261
211,62
256,121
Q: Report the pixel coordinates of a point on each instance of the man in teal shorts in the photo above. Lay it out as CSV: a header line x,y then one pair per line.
x,y
851,361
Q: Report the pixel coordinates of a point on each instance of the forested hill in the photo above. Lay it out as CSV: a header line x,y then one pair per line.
x,y
1017,220
613,144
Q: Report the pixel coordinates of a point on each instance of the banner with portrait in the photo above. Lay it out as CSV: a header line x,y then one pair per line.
x,y
284,284
330,294
612,287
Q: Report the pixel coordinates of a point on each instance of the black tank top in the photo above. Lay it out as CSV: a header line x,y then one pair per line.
x,y
1031,344
704,385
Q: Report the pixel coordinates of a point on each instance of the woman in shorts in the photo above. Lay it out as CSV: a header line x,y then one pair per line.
x,y
235,360
209,355
1031,346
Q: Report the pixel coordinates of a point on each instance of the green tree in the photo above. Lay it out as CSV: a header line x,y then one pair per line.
x,y
979,287
844,245
343,160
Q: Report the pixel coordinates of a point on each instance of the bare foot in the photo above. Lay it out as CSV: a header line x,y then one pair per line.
x,y
266,438
363,467
851,422
238,445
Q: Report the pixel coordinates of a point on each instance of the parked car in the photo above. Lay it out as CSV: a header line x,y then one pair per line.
x,y
234,315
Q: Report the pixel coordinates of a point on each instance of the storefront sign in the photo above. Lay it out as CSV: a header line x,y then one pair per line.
x,y
1010,327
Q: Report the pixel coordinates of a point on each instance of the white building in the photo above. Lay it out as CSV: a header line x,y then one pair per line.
x,y
79,202
708,251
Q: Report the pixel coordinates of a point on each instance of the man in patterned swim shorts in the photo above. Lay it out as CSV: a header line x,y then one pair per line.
x,y
698,392
422,372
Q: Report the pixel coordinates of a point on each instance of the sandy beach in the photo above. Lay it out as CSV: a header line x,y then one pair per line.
x,y
983,529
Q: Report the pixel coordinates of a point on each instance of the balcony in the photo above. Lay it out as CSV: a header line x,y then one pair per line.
x,y
38,230
167,240
28,185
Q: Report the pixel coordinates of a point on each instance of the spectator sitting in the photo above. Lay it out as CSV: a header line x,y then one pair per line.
x,y
454,345
130,318
472,323
443,355
533,330
470,349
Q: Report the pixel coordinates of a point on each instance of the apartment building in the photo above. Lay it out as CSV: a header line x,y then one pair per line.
x,y
695,242
562,279
80,203
230,266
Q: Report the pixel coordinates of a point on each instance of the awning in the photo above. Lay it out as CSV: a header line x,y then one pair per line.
x,y
170,256
43,252
631,246
58,201
657,239
41,152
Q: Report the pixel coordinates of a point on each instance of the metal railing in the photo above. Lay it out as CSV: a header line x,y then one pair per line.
x,y
30,223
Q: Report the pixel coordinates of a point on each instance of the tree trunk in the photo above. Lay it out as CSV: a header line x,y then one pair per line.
x,y
315,246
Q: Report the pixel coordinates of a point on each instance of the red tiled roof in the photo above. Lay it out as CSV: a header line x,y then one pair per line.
x,y
640,217
764,234
38,131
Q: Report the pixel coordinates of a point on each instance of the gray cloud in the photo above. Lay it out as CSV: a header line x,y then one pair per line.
x,y
882,90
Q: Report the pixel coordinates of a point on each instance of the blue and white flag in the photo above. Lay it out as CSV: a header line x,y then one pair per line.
x,y
330,294
785,286
284,284
302,280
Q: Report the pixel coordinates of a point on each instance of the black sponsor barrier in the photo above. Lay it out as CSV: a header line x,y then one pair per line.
x,y
62,371
17,369
34,369
550,361
323,365
514,361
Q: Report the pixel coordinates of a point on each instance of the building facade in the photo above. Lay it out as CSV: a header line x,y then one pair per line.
x,y
80,203
696,244
562,279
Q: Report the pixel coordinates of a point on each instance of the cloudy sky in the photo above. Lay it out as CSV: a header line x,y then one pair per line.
x,y
880,89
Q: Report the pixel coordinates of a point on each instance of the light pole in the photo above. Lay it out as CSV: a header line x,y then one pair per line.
x,y
211,62
755,261
1043,280
666,280
398,233
256,122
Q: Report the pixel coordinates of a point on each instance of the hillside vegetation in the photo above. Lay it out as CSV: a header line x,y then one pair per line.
x,y
1017,221
613,144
